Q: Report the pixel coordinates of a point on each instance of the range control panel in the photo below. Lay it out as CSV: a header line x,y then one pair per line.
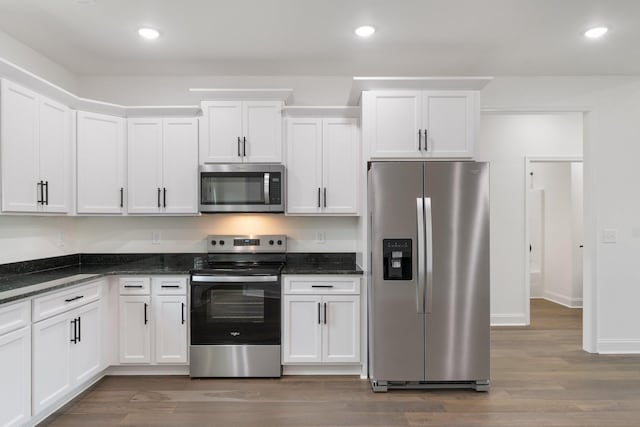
x,y
248,243
396,255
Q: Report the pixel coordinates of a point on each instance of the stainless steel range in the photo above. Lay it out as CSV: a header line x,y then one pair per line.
x,y
235,307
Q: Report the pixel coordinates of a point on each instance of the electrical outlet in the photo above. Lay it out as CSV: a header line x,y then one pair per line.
x,y
60,239
610,235
155,237
320,237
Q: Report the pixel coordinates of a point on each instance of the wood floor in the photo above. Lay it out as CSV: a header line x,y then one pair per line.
x,y
540,377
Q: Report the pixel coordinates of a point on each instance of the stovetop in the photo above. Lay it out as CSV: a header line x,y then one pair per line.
x,y
207,266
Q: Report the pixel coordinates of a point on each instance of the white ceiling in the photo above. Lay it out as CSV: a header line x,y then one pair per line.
x,y
315,37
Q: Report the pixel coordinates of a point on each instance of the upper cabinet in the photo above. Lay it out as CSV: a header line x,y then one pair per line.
x,y
163,166
35,152
322,166
241,131
420,123
100,163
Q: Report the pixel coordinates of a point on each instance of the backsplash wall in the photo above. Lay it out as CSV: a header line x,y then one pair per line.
x,y
30,237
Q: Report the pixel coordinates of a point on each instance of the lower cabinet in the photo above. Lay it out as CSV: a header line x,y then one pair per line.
x,y
153,327
321,320
15,377
66,353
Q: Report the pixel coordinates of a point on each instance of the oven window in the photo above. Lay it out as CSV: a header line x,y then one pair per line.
x,y
236,306
232,188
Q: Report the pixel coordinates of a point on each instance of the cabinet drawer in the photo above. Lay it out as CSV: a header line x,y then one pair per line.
x,y
321,285
169,285
62,301
135,285
14,316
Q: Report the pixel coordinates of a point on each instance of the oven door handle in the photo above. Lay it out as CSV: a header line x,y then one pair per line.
x,y
233,279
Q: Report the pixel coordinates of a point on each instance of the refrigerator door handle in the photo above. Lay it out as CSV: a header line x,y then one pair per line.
x,y
429,253
420,253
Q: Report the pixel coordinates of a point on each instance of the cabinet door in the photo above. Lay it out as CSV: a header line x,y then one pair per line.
x,y
180,165
262,125
100,158
304,165
19,148
144,142
391,121
55,145
221,130
301,341
86,352
135,329
450,119
170,320
51,353
15,371
341,333
340,148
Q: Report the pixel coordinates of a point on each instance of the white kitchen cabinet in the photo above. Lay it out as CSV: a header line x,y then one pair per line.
x,y
153,320
135,329
15,374
241,131
35,151
322,165
170,322
321,320
100,163
420,124
66,353
163,166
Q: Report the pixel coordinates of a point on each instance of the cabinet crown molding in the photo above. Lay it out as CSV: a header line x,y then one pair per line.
x,y
217,94
322,111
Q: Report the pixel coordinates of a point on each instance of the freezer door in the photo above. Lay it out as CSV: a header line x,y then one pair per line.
x,y
457,296
396,313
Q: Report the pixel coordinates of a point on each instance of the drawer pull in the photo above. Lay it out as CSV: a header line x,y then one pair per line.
x,y
133,286
171,286
74,298
322,286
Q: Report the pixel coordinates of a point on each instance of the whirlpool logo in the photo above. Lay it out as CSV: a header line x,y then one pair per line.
x,y
234,333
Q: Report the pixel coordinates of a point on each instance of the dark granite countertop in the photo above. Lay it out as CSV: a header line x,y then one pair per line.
x,y
25,279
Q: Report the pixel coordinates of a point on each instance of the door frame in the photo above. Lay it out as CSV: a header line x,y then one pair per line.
x,y
527,185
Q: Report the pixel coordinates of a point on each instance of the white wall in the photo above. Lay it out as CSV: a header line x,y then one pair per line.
x,y
577,232
188,234
535,207
505,141
35,62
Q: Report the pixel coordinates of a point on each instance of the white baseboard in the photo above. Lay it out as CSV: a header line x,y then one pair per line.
x,y
562,299
606,346
321,370
147,370
513,319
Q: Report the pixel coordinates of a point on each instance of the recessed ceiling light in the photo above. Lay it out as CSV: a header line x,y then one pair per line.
x,y
148,33
365,31
596,32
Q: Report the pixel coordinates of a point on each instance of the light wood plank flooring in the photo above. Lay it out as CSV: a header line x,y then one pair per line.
x,y
540,377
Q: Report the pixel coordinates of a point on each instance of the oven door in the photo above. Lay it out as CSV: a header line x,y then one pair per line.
x,y
235,310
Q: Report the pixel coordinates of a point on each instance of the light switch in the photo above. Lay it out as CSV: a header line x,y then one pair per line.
x,y
610,235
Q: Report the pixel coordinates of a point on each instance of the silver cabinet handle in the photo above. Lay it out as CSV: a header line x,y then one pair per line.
x,y
267,198
429,254
420,252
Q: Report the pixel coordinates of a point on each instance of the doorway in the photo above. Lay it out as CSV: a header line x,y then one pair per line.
x,y
555,223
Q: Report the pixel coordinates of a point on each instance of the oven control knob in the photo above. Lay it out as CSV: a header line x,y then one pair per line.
x,y
271,242
279,242
222,242
213,242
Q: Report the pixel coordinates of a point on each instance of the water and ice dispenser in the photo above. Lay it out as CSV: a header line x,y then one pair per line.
x,y
397,259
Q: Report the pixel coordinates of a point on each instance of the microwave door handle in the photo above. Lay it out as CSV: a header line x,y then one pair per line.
x,y
267,176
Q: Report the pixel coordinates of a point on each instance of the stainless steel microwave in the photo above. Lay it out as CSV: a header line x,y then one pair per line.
x,y
241,188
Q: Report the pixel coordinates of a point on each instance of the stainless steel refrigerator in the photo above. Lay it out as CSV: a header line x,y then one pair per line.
x,y
429,283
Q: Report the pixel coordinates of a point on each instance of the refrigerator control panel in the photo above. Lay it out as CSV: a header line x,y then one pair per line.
x,y
397,260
